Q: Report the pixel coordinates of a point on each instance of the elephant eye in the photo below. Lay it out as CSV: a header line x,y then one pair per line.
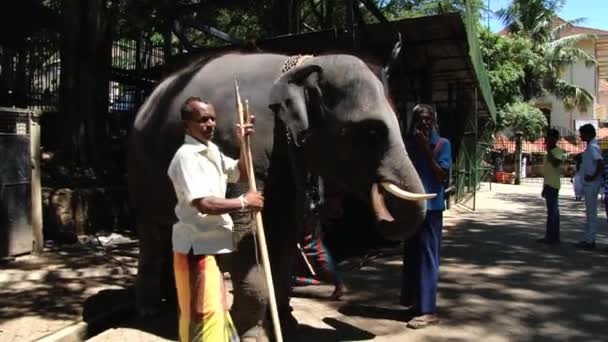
x,y
275,107
373,132
332,96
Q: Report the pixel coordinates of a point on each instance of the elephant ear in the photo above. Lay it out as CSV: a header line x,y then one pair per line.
x,y
297,100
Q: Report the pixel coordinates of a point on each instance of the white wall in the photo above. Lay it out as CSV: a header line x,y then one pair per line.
x,y
582,76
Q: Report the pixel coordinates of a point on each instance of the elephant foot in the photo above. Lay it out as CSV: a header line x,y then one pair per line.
x,y
289,327
156,308
255,339
151,308
255,334
148,311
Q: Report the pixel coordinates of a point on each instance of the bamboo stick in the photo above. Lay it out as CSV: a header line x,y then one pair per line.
x,y
310,269
246,144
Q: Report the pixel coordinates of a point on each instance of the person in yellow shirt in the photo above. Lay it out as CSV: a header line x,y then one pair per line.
x,y
551,185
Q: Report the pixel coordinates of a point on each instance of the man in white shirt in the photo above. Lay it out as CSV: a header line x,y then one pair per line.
x,y
199,173
592,167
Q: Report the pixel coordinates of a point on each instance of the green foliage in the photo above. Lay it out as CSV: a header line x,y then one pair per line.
x,y
523,117
399,9
531,18
250,19
508,60
536,20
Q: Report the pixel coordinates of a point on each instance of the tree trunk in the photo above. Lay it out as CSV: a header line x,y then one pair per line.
x,y
330,7
279,18
295,13
167,41
85,75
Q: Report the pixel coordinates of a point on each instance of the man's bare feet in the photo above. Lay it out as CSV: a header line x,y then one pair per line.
x,y
339,292
422,321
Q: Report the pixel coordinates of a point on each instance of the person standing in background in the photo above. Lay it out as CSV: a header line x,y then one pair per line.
x,y
551,186
592,168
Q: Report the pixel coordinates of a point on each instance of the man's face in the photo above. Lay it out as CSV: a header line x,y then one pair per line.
x,y
425,122
584,136
202,124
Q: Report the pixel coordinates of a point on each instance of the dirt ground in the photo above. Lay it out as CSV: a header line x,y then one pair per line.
x,y
497,284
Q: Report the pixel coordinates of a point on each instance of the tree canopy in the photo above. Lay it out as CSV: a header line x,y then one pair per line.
x,y
507,60
525,118
523,66
525,62
537,21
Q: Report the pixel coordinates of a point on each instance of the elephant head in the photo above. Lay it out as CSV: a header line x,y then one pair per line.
x,y
336,111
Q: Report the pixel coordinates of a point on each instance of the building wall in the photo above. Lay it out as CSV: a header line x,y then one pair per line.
x,y
582,76
603,101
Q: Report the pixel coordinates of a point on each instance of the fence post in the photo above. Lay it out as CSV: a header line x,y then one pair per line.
x,y
518,147
36,189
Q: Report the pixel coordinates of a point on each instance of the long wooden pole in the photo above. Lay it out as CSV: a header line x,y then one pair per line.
x,y
246,145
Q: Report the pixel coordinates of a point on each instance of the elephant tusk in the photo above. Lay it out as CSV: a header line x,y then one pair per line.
x,y
380,209
406,195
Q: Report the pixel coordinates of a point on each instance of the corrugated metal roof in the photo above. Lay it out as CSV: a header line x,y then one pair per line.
x,y
442,43
576,29
438,46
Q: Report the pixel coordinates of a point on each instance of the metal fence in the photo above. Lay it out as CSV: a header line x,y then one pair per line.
x,y
502,158
29,75
30,78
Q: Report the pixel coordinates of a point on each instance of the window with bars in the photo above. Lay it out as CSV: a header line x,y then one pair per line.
x,y
14,123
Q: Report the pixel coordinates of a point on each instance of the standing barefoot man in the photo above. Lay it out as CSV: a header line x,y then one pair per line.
x,y
199,173
432,157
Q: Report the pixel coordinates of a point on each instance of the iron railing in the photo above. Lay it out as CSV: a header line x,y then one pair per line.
x,y
502,158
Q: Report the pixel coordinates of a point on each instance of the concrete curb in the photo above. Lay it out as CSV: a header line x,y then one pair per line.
x,y
81,330
73,333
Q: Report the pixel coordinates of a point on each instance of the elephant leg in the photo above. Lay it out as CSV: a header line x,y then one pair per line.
x,y
283,251
154,271
250,295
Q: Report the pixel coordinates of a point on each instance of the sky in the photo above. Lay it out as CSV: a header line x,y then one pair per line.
x,y
595,11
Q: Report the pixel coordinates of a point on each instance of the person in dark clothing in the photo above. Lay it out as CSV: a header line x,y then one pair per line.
x,y
315,254
432,158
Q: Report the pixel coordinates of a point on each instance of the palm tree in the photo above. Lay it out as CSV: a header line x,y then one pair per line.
x,y
537,20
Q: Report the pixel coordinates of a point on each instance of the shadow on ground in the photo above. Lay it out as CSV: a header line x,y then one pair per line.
x,y
497,281
31,286
496,284
39,295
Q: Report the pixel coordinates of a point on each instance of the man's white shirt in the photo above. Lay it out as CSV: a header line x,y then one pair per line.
x,y
198,170
591,156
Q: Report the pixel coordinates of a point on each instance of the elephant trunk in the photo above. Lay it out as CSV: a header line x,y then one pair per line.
x,y
398,197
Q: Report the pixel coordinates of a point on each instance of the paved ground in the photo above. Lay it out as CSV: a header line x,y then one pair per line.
x,y
497,284
40,295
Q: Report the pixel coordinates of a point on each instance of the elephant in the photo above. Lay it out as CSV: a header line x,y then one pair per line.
x,y
328,115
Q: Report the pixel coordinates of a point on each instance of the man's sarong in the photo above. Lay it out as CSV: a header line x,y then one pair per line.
x,y
203,312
